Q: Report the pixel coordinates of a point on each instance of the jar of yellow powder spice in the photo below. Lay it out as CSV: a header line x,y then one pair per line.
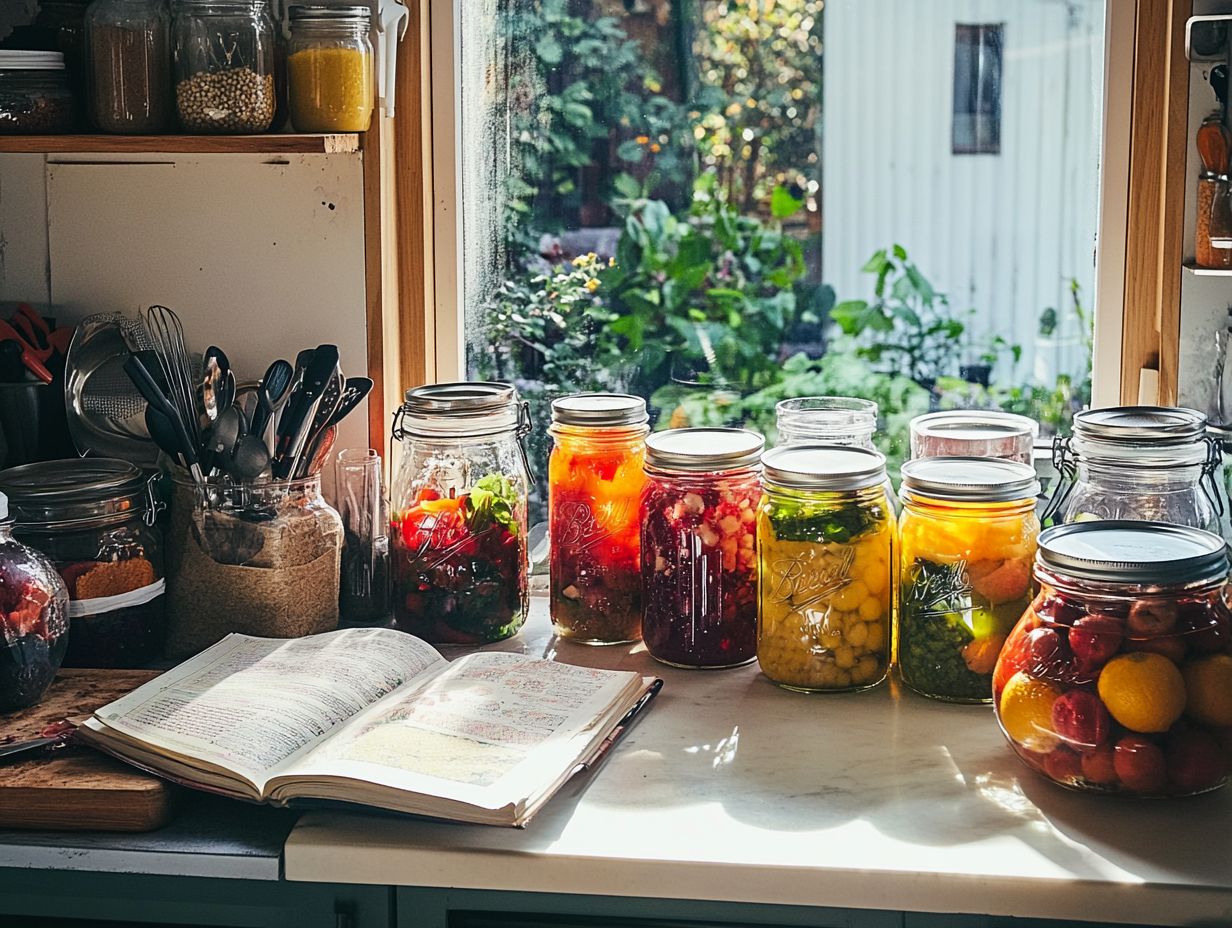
x,y
330,69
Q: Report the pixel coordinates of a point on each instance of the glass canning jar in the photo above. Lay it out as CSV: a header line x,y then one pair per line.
x,y
595,480
224,65
34,620
62,25
1152,463
967,538
1118,679
831,420
974,433
330,69
95,519
458,513
699,546
130,65
35,96
825,541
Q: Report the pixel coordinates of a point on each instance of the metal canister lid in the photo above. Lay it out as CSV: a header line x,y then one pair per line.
x,y
21,60
468,409
1140,424
1122,551
320,11
703,450
969,480
823,467
599,410
74,492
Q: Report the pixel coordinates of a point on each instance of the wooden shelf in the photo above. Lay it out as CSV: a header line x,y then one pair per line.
x,y
305,143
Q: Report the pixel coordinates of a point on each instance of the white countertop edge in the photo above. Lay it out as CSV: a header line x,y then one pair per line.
x,y
143,863
440,868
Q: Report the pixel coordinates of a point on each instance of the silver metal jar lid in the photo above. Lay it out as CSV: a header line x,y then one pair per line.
x,y
703,450
1140,424
969,480
310,11
1133,552
599,410
75,493
823,467
468,409
21,60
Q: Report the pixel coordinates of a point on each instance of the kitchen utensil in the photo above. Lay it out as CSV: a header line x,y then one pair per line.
x,y
168,337
272,393
312,464
214,370
40,331
222,438
18,748
250,458
331,397
297,419
1213,147
31,356
173,434
354,393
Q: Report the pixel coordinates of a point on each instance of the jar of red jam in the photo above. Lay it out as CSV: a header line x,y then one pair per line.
x,y
595,479
1118,679
699,546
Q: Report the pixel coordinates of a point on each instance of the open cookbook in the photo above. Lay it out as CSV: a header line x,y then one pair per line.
x,y
375,717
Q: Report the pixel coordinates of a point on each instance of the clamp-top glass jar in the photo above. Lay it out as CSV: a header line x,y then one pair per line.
x,y
458,513
1149,463
224,65
595,481
330,69
699,546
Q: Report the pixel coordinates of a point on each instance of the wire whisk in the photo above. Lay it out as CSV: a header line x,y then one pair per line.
x,y
167,334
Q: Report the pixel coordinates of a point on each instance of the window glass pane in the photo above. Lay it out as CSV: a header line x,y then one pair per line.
x,y
718,204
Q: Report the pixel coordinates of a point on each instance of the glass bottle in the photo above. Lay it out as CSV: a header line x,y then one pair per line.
x,y
595,481
825,541
458,513
699,546
967,538
224,65
130,65
974,433
330,69
1118,679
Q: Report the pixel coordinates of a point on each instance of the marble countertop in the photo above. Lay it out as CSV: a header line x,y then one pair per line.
x,y
732,789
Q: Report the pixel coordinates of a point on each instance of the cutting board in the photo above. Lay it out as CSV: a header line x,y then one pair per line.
x,y
75,788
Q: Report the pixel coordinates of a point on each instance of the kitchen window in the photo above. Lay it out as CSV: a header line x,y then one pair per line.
x,y
977,89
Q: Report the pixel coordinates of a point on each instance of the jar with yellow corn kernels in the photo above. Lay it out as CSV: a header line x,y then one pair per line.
x,y
967,540
826,532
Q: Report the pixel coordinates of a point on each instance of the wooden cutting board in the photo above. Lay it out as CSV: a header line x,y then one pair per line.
x,y
75,788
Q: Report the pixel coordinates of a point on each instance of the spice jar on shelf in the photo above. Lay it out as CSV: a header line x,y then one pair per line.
x,y
224,65
95,519
460,561
595,480
967,538
825,539
699,546
35,96
330,69
1213,229
130,65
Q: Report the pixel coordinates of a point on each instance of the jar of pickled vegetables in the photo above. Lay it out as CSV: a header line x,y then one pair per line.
x,y
967,540
699,546
458,523
595,480
1118,679
825,532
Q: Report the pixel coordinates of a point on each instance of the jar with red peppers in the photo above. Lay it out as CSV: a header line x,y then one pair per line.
x,y
699,546
1118,679
595,479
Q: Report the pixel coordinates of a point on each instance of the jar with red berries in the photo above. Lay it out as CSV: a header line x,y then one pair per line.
x,y
458,513
1118,679
595,479
699,546
33,617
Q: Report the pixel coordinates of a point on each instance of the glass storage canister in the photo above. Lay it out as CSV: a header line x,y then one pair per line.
x,y
94,518
825,540
1213,223
224,65
35,96
967,537
458,513
1119,677
260,558
330,69
832,420
33,616
62,28
1152,463
595,481
130,65
974,433
699,546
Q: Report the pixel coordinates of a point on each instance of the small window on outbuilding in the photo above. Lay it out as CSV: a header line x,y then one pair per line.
x,y
977,89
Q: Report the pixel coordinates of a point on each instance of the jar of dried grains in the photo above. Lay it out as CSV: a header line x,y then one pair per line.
x,y
130,65
330,69
224,65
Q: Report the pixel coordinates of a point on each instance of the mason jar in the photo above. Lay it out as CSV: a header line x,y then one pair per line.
x,y
130,65
831,420
458,513
825,541
35,95
330,69
699,546
595,481
94,518
967,540
1118,679
974,433
224,65
1150,463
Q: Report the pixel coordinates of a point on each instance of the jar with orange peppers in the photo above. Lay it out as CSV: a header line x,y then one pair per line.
x,y
967,539
595,481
